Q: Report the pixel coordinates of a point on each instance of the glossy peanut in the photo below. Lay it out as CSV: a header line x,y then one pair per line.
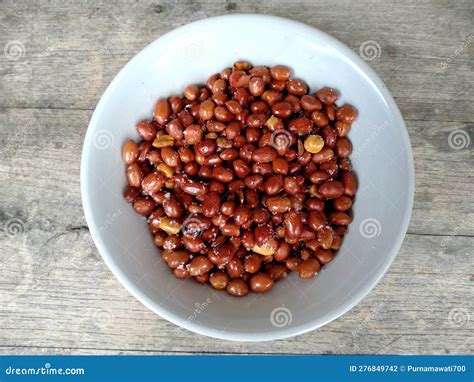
x,y
343,203
319,118
222,174
193,134
237,288
177,258
234,267
323,255
211,204
300,125
280,72
172,208
296,87
291,185
152,183
248,239
317,220
170,242
343,147
282,252
219,280
280,166
162,111
199,265
264,154
221,254
191,92
195,188
242,214
260,215
170,156
134,175
194,244
278,204
256,86
325,237
293,263
261,283
131,194
309,268
230,229
130,152
253,263
331,190
206,110
346,113
339,218
293,225
282,109
144,206
273,185
327,96
349,183
263,233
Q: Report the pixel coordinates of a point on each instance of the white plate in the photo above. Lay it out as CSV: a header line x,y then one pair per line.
x,y
382,159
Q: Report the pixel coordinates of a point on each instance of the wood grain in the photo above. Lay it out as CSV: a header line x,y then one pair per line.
x,y
56,294
92,42
72,304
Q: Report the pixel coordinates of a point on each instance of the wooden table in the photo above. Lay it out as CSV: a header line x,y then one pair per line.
x,y
58,58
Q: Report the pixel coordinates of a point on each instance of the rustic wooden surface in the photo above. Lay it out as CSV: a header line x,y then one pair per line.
x,y
57,295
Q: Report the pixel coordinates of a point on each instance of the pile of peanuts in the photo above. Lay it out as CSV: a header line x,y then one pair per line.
x,y
245,178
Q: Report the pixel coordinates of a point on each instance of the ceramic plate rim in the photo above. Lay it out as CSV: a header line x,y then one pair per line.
x,y
240,335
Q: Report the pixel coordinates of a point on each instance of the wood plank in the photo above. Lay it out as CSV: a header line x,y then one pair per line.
x,y
72,50
423,305
79,48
